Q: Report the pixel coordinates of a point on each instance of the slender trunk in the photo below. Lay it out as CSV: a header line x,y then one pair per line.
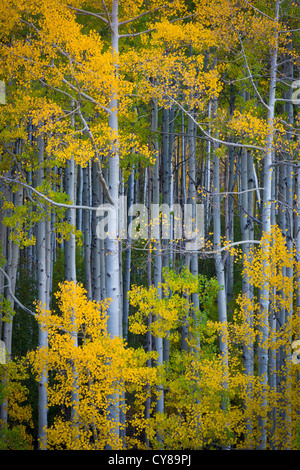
x,y
267,209
220,269
70,244
184,197
112,258
86,227
246,224
219,264
229,220
192,201
127,261
43,296
4,196
12,253
165,187
157,269
113,288
97,245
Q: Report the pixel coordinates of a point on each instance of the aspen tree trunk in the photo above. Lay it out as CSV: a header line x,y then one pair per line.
x,y
207,178
229,221
171,181
157,269
112,258
267,209
297,232
86,227
286,185
290,245
70,245
70,259
149,338
97,245
113,288
4,196
246,224
43,296
127,261
184,195
219,265
79,192
166,183
229,209
12,253
192,200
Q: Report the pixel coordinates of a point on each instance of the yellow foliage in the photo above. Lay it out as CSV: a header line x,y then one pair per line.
x,y
97,368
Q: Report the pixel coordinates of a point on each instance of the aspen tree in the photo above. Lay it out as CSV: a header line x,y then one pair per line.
x,y
13,252
43,297
219,263
268,207
86,227
157,269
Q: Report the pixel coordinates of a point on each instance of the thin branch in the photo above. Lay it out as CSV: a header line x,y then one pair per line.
x,y
87,97
13,296
230,245
98,163
90,13
225,193
209,136
260,12
148,12
200,252
107,14
250,75
46,198
133,35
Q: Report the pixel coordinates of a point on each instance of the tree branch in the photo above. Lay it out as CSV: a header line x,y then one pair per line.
x,y
260,12
98,163
209,136
250,75
46,198
13,296
90,13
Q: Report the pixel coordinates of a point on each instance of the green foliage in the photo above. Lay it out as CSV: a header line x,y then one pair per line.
x,y
175,306
13,438
15,433
6,310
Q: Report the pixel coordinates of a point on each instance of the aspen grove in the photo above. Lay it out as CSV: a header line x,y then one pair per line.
x,y
149,224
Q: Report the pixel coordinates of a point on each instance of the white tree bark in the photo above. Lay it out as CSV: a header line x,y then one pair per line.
x,y
157,271
267,209
219,265
43,297
112,257
113,287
